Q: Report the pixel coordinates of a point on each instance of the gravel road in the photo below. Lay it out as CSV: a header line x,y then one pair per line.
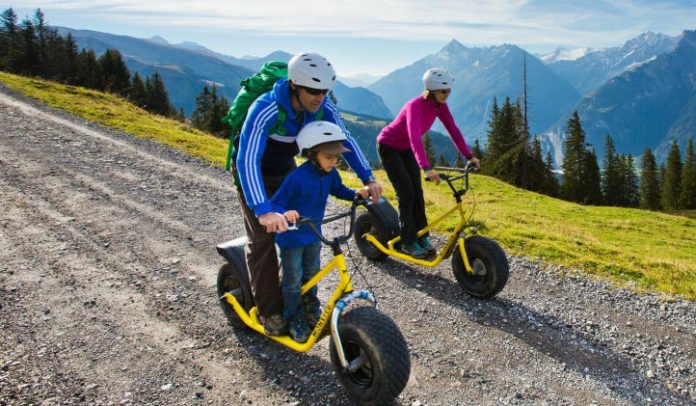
x,y
107,296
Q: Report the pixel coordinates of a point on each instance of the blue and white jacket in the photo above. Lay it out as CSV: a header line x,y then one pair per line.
x,y
262,154
306,190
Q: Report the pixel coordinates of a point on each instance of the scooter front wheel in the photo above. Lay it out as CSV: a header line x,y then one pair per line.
x,y
490,267
233,279
377,354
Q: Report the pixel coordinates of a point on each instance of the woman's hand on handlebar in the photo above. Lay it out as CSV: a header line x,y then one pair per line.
x,y
433,176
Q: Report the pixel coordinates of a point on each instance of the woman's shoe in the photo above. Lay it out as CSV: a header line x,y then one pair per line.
x,y
414,250
425,244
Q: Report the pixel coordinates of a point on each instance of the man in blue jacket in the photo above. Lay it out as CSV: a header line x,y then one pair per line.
x,y
263,160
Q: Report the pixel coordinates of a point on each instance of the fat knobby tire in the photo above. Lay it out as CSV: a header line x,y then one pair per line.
x,y
366,332
483,254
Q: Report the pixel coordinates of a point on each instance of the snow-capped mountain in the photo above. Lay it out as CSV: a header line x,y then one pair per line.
x,y
564,54
647,106
480,75
590,70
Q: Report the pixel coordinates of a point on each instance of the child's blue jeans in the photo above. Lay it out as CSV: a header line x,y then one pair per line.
x,y
299,266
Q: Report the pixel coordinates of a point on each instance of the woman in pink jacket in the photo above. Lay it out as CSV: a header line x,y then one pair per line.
x,y
401,151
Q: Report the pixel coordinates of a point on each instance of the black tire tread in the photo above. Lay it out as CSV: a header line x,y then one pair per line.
x,y
490,252
376,330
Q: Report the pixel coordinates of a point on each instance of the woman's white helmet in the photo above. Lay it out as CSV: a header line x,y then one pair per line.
x,y
311,70
324,135
437,79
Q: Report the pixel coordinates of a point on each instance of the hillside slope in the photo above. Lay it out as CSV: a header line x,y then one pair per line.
x,y
107,282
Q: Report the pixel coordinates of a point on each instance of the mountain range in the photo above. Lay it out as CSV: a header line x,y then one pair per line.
x,y
641,92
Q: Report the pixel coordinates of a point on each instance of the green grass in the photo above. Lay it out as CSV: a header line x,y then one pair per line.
x,y
642,250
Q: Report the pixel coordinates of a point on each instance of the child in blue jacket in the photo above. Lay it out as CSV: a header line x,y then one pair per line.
x,y
304,192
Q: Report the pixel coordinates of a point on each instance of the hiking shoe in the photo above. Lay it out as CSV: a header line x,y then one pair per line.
x,y
425,244
414,250
299,330
275,325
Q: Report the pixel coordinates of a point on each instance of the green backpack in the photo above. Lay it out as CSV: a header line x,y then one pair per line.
x,y
251,88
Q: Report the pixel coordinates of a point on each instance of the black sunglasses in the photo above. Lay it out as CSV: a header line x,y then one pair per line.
x,y
316,92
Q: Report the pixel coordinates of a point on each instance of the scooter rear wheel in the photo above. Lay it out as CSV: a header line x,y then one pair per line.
x,y
490,265
367,223
234,279
375,344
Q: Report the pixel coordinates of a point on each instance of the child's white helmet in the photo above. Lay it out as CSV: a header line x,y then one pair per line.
x,y
317,133
437,79
311,70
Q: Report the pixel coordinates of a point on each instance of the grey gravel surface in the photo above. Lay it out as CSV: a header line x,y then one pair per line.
x,y
107,296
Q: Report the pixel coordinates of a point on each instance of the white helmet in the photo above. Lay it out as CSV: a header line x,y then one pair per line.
x,y
318,133
311,70
437,79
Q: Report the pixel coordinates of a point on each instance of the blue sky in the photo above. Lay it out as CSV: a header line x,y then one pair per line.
x,y
371,36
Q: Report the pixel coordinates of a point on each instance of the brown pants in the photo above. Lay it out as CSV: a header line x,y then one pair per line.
x,y
261,256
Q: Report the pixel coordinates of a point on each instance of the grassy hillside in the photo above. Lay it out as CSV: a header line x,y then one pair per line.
x,y
640,249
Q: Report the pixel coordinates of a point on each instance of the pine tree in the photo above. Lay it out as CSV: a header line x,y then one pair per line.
x,y
42,32
649,182
591,187
612,182
441,161
204,104
181,116
8,38
477,151
429,148
29,63
573,161
157,96
671,187
551,186
88,71
115,74
688,178
138,93
631,194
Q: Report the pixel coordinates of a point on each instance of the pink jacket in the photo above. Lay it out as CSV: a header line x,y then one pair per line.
x,y
414,119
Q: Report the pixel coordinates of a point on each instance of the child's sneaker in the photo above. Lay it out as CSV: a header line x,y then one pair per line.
x,y
425,244
312,318
299,330
414,250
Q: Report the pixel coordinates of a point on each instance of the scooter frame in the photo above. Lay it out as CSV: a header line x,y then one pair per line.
x,y
341,297
455,237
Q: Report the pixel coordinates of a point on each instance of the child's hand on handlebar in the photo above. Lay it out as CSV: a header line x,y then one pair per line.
x,y
433,176
291,216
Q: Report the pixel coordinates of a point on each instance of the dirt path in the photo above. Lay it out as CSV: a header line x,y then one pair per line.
x,y
107,296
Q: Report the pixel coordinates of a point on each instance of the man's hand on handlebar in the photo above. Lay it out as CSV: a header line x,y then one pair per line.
x,y
363,192
475,162
375,190
273,222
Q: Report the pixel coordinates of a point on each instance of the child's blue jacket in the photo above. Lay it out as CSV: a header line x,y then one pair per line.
x,y
306,189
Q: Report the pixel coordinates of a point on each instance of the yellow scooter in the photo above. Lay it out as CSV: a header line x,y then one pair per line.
x,y
368,351
479,264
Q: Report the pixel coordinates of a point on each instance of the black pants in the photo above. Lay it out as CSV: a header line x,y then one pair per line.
x,y
261,256
405,175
